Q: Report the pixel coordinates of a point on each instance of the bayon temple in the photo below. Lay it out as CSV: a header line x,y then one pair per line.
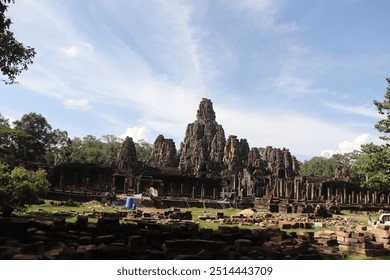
x,y
210,169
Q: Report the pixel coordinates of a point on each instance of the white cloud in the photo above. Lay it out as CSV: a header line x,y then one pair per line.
x,y
77,104
71,51
282,128
84,49
359,110
137,133
350,146
264,14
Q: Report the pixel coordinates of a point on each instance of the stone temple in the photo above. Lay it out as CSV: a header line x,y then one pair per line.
x,y
214,170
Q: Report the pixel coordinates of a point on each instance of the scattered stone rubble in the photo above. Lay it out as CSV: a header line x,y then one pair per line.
x,y
173,235
109,239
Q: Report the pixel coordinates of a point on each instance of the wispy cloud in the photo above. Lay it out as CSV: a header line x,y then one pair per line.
x,y
154,60
264,14
78,104
80,49
358,110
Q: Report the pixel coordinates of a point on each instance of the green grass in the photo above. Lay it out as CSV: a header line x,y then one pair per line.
x,y
48,210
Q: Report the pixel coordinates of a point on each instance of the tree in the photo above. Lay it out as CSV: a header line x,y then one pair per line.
x,y
111,147
3,121
20,187
143,150
40,130
319,166
375,159
31,141
14,56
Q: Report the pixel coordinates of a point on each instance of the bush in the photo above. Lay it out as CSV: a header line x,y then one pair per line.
x,y
20,187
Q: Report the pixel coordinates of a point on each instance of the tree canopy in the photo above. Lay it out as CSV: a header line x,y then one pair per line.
x,y
31,141
20,187
14,56
375,159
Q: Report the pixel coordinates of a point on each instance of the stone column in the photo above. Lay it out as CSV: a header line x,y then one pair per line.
x,y
320,191
125,187
193,192
312,191
287,186
62,181
345,195
299,190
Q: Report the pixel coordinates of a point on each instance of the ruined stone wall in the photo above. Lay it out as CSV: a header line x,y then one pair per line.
x,y
127,155
201,151
280,162
164,153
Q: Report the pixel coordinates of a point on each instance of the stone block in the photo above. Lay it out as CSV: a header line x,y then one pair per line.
x,y
284,225
343,234
105,239
136,244
25,257
361,228
243,245
377,245
382,240
383,226
381,233
364,245
357,234
343,247
352,240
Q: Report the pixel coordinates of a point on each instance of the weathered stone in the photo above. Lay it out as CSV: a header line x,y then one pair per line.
x,y
164,153
127,155
280,162
201,151
243,245
232,155
136,244
25,257
105,238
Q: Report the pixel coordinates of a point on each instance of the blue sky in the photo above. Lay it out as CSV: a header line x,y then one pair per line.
x,y
297,74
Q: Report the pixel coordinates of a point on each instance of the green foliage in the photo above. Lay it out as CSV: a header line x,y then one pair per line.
x,y
143,150
384,109
21,187
326,167
374,161
13,145
91,150
15,57
319,166
30,141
